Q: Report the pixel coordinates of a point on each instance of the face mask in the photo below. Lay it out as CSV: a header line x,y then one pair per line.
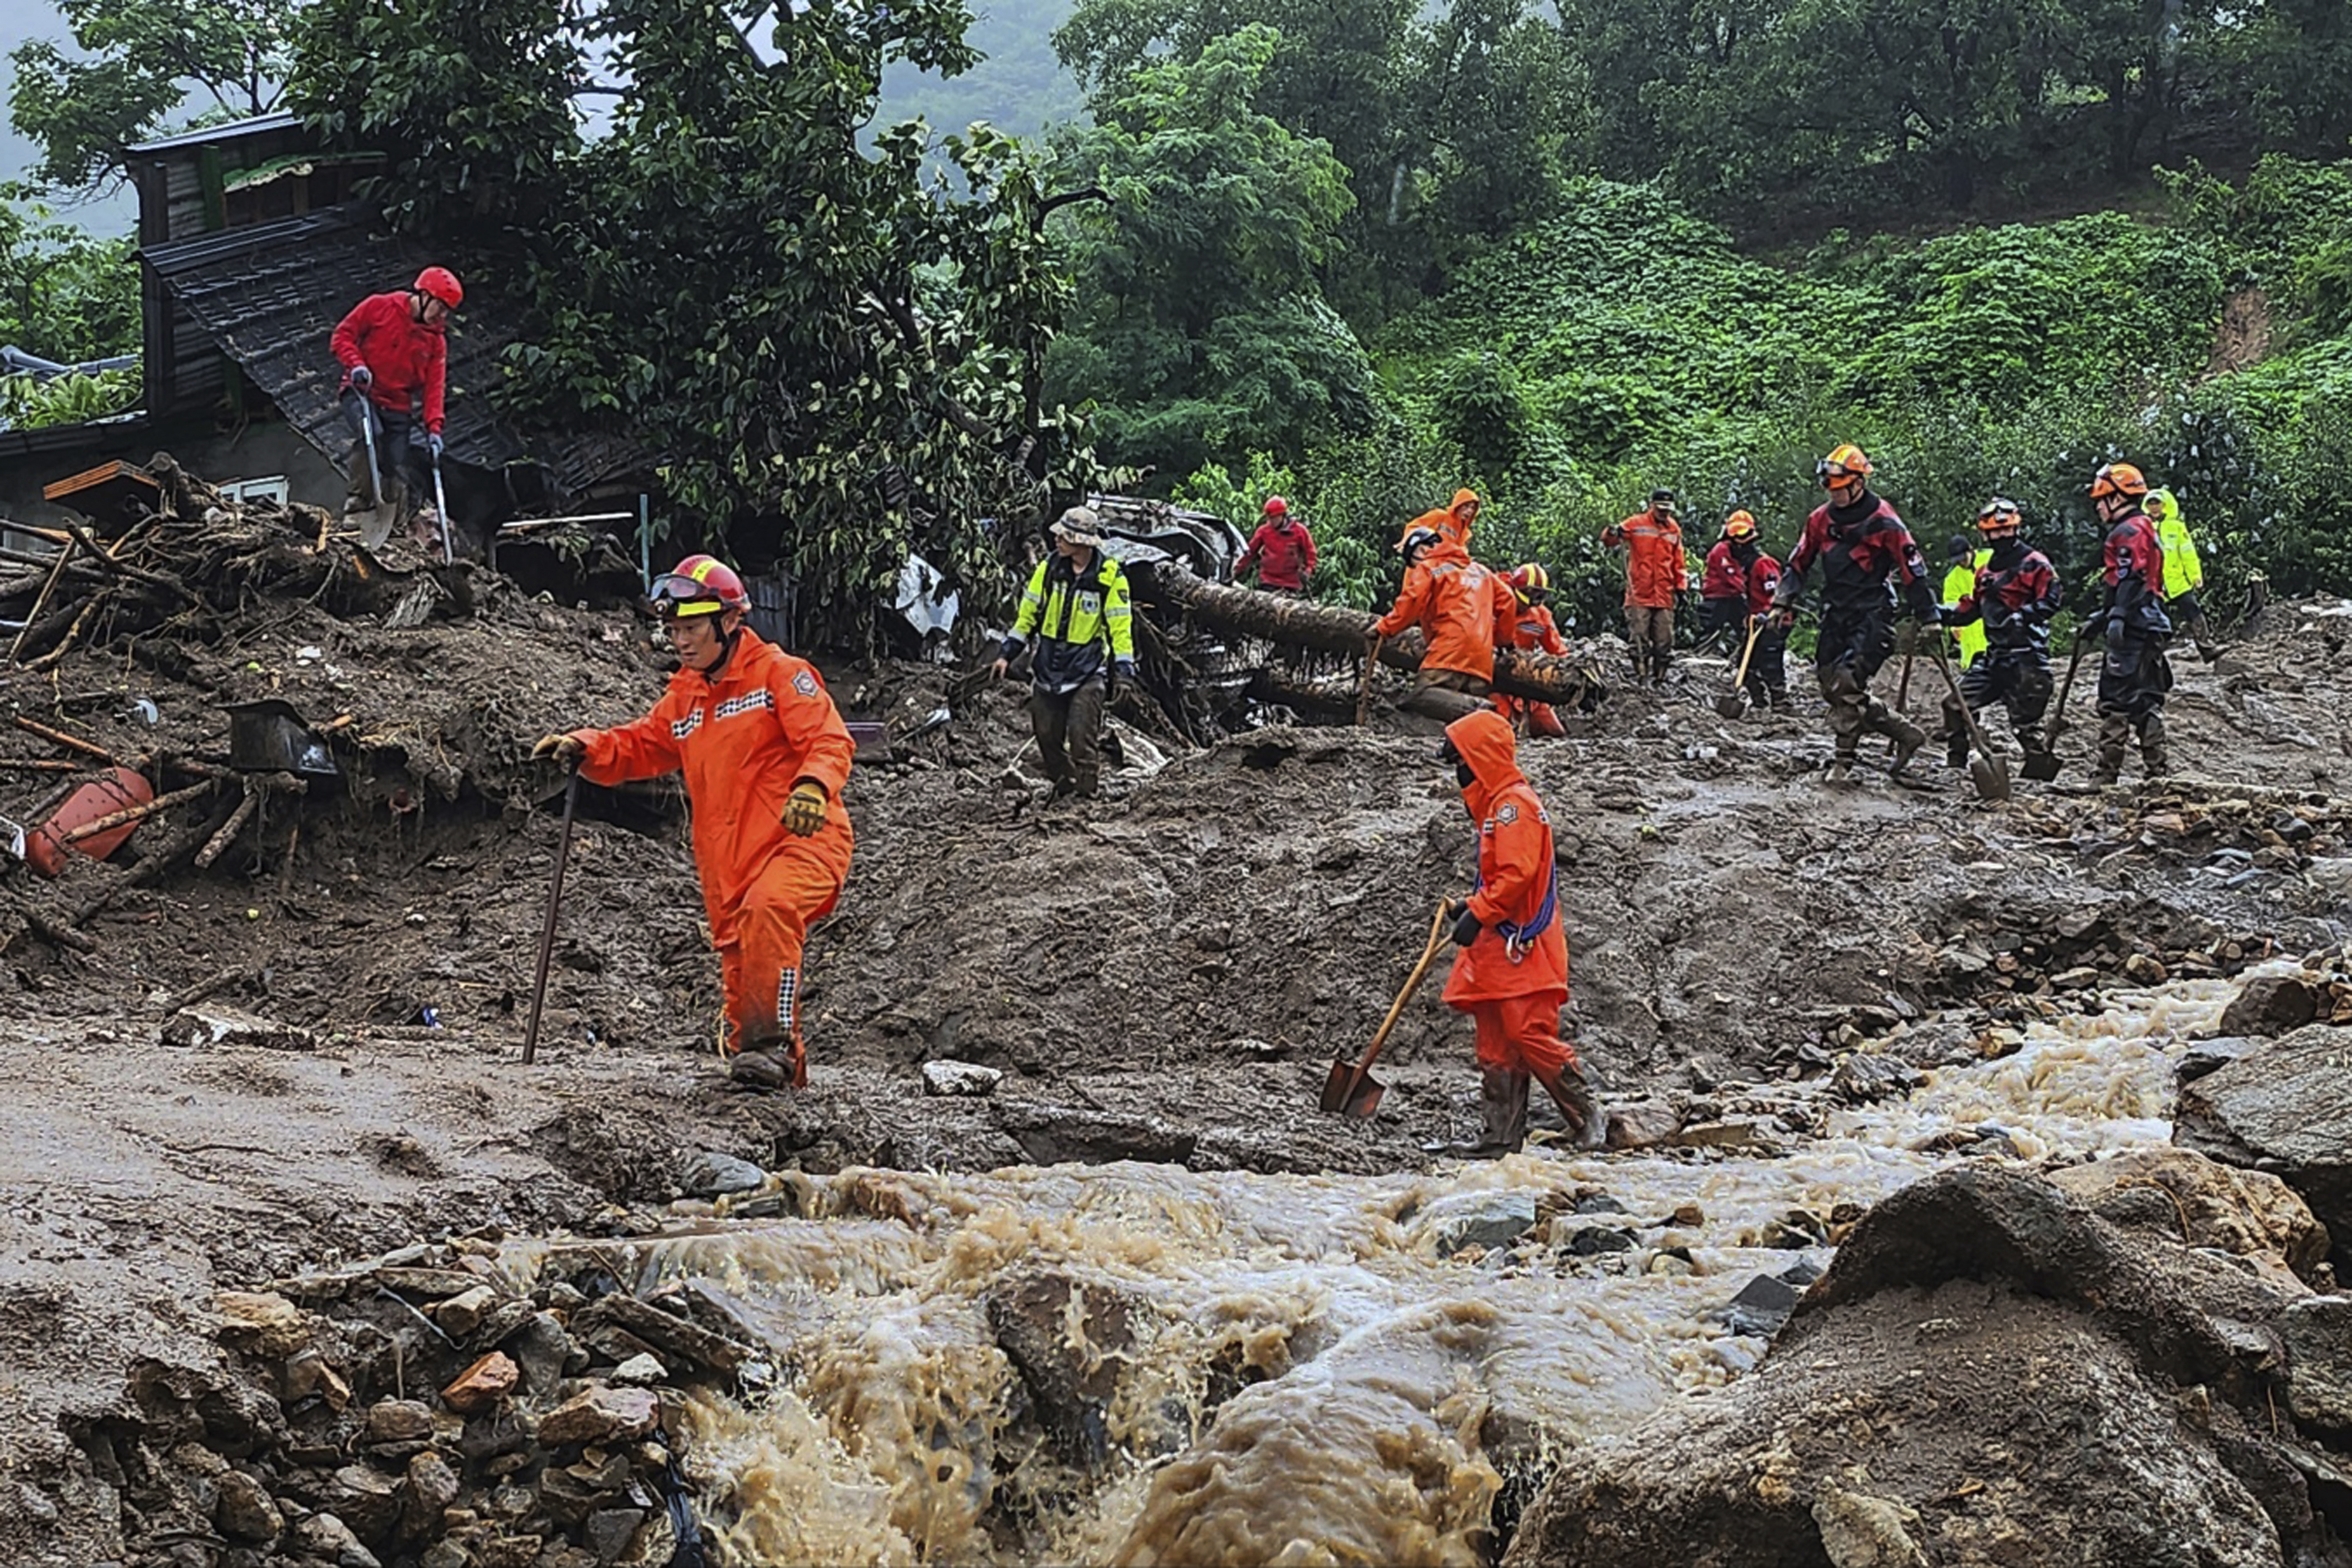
x,y
1464,775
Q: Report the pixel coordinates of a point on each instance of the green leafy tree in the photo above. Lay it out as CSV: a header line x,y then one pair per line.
x,y
64,295
841,359
1200,331
141,62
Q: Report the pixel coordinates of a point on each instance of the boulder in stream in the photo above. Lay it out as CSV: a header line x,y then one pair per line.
x,y
2285,1107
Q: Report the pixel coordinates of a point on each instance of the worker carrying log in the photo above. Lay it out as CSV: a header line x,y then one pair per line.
x,y
395,351
1865,551
1076,606
1531,629
1657,575
1457,603
1282,552
766,757
2014,594
1511,975
2134,674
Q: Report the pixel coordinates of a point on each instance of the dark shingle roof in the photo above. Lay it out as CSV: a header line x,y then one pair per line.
x,y
271,296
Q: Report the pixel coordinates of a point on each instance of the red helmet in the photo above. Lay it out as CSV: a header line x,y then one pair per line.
x,y
442,284
1531,575
701,585
1276,506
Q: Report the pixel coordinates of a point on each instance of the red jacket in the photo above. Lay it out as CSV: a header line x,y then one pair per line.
x,y
1457,603
1654,568
1284,556
2133,562
742,742
405,357
1726,578
1520,950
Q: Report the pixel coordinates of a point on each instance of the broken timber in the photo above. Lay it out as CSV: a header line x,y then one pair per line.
x,y
1335,628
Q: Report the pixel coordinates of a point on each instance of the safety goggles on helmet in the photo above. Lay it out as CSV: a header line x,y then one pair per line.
x,y
1999,515
675,596
1841,465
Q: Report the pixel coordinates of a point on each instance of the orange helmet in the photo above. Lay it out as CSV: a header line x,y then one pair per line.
x,y
701,585
1740,525
1531,576
442,284
1848,461
1999,518
2118,480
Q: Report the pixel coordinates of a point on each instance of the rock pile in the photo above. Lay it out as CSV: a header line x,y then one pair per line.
x,y
418,1412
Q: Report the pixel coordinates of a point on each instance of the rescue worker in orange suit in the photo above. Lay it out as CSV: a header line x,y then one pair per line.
x,y
765,756
1865,552
1282,551
1531,629
1457,603
395,351
1452,523
1656,575
2015,594
1511,975
2134,675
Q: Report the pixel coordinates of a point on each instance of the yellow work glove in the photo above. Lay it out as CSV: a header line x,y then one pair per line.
x,y
804,812
565,749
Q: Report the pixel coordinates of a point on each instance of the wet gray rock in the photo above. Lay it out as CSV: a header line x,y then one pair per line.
x,y
1642,1123
2271,1005
1594,1240
2285,1108
642,1370
2319,1335
543,1349
2203,1055
711,1174
1862,1078
1069,1374
610,1531
325,1536
601,1415
1762,1306
960,1079
364,1497
1459,1221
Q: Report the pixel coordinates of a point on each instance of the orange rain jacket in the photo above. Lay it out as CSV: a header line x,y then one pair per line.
x,y
1457,603
742,741
1532,629
1520,950
1449,525
1656,570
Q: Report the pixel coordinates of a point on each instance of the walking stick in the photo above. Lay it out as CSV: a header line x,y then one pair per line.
x,y
547,929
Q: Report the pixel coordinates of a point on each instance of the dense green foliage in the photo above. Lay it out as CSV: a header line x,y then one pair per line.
x,y
133,67
64,295
841,360
27,403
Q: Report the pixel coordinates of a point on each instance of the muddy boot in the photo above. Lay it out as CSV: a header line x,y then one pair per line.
x,y
1956,750
2152,752
1841,768
1588,1129
1661,660
1502,1115
2113,731
761,1070
1777,698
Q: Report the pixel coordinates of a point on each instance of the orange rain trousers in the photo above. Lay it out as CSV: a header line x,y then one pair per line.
x,y
1521,1033
760,969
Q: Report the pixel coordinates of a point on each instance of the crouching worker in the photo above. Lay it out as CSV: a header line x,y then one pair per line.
x,y
1511,975
765,756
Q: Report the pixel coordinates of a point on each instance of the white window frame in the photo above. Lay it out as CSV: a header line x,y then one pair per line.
x,y
271,488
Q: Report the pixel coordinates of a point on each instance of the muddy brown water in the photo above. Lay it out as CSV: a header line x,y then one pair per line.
x,y
1297,1369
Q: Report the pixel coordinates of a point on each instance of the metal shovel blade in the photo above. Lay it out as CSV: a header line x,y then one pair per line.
x,y
1336,1098
1990,776
2041,766
1732,704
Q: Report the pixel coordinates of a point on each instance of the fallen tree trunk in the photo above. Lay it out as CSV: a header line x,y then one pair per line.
x,y
1335,628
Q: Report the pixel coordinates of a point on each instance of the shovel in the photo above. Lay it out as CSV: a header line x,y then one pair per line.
x,y
375,523
1986,771
2041,766
1351,1089
547,929
441,511
1734,703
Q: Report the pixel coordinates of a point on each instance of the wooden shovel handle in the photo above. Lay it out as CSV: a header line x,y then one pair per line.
x,y
1396,1009
1755,629
1966,713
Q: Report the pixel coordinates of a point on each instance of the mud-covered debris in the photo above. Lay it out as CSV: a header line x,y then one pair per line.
x,y
711,1174
643,1369
1859,1531
428,1284
968,1079
244,1510
684,1343
208,1027
2319,1335
1746,1135
1862,1078
461,1314
2271,1005
482,1384
604,1413
262,1323
2184,1196
1595,1240
544,1350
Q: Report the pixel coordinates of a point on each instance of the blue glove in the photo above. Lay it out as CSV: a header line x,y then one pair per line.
x,y
1123,668
433,443
361,377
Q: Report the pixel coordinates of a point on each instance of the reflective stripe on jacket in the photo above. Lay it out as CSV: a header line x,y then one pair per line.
x,y
1077,617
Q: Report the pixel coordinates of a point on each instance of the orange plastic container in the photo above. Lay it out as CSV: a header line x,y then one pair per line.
x,y
44,847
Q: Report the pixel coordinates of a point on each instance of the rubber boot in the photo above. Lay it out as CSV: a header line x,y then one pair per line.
x,y
1502,1114
1842,767
2112,733
768,1064
1587,1128
1956,749
1660,660
2152,751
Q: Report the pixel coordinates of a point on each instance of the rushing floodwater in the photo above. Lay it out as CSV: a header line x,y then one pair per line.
x,y
1390,1391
